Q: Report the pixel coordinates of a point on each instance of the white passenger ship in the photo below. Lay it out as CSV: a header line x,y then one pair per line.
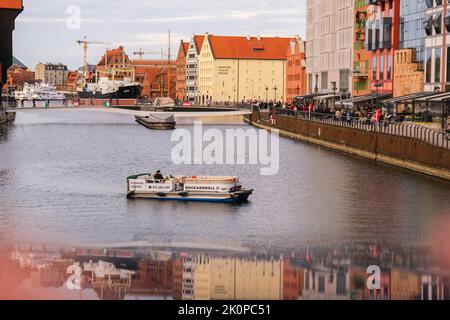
x,y
188,188
39,91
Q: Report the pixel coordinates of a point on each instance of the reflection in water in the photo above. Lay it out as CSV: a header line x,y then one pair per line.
x,y
166,273
62,181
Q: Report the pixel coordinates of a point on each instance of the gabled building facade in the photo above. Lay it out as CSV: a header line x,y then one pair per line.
x,y
382,39
181,71
233,69
115,65
295,69
193,52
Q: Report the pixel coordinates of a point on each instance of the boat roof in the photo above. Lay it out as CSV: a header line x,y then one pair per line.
x,y
210,178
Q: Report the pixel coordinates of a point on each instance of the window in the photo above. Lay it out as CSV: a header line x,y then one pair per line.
x,y
374,68
324,83
344,76
381,67
428,57
321,287
448,64
437,59
389,68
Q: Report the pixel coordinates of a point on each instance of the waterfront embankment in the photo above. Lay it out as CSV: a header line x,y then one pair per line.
x,y
403,145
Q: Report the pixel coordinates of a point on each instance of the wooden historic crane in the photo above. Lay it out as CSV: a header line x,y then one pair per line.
x,y
142,53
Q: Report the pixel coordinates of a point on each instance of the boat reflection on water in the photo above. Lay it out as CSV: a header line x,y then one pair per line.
x,y
174,273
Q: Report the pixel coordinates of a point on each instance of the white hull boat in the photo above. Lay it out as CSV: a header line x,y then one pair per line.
x,y
187,188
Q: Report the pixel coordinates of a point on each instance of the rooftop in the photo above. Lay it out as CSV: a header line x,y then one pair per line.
x,y
257,48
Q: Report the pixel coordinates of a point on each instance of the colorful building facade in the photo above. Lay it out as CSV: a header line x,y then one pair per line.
x,y
361,56
382,38
295,69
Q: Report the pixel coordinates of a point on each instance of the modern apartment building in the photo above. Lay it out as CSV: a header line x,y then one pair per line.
x,y
437,41
329,45
412,33
193,52
382,39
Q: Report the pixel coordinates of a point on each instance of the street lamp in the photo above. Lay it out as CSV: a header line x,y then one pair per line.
x,y
275,89
333,84
378,85
267,94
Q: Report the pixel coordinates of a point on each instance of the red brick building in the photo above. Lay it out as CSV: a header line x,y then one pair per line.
x,y
181,71
72,81
115,65
152,75
382,38
17,76
295,69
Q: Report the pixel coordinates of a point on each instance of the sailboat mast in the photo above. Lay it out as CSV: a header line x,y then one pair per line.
x,y
168,70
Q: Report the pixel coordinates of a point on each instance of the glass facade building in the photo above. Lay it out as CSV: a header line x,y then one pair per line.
x,y
412,33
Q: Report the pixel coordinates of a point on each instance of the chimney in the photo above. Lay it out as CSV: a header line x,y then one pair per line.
x,y
258,37
249,37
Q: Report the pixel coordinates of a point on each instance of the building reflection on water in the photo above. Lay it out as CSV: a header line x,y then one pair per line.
x,y
41,272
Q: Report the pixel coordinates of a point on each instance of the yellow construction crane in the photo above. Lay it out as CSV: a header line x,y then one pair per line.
x,y
85,42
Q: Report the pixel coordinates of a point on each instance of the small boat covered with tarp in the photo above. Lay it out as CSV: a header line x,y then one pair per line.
x,y
155,122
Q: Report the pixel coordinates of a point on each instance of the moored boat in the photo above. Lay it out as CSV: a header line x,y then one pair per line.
x,y
187,188
157,123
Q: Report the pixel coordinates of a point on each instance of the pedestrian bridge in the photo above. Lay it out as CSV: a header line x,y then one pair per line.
x,y
185,117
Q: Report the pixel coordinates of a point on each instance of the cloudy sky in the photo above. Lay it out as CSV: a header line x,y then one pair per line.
x,y
47,30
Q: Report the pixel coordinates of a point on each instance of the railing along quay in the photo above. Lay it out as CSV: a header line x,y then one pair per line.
x,y
438,138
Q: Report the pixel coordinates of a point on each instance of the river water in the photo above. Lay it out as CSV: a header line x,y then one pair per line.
x,y
62,180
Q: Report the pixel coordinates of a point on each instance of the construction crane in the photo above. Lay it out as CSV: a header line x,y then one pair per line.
x,y
85,42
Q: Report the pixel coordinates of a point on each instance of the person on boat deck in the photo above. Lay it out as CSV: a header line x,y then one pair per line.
x,y
159,176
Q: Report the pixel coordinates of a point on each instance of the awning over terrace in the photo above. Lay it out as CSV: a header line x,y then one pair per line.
x,y
360,100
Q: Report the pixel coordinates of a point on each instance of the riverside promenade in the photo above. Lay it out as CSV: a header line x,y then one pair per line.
x,y
406,145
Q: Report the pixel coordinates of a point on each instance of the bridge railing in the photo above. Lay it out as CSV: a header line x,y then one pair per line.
x,y
438,138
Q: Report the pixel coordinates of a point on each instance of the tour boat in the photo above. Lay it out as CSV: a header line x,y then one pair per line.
x,y
187,188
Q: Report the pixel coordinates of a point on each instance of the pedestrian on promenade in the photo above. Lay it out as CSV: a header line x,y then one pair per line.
x,y
22,103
